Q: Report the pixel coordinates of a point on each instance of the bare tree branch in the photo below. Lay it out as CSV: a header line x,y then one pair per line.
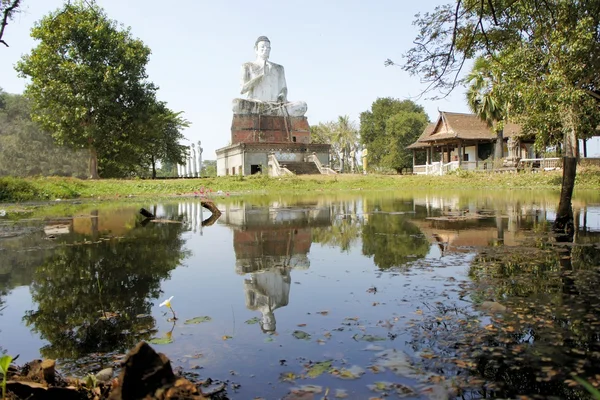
x,y
7,14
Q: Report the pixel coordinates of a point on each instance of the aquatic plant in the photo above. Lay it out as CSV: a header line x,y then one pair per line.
x,y
167,303
5,361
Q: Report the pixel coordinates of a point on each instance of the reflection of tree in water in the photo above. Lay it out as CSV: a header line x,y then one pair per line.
x,y
267,291
393,240
117,277
345,227
551,328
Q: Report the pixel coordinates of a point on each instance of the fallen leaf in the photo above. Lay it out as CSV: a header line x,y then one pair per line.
x,y
226,337
252,321
197,320
165,340
301,335
318,368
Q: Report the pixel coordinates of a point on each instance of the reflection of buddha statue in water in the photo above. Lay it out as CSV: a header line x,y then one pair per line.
x,y
264,84
267,291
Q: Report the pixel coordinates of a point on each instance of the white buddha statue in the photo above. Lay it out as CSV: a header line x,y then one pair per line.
x,y
264,84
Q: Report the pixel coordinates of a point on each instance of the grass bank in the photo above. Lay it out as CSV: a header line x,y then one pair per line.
x,y
15,190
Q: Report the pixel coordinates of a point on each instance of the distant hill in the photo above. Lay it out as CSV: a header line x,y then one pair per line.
x,y
25,150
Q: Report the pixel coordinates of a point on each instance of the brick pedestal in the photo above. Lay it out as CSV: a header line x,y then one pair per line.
x,y
268,129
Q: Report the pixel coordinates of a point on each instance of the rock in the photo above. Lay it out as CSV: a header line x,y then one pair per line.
x,y
105,375
38,391
148,375
41,371
183,389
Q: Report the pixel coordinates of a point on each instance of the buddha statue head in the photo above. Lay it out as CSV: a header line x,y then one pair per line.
x,y
262,47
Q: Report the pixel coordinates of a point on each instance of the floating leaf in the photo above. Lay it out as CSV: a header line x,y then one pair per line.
x,y
165,340
368,338
287,377
323,312
197,320
301,335
252,321
269,339
340,394
380,386
317,369
350,373
226,337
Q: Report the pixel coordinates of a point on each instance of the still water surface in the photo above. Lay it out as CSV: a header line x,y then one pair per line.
x,y
380,293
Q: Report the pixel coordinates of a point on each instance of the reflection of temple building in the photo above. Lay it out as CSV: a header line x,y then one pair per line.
x,y
268,243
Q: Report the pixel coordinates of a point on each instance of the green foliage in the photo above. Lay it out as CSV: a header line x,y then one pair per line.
x,y
388,128
5,361
592,390
209,168
547,55
15,189
162,136
27,150
88,83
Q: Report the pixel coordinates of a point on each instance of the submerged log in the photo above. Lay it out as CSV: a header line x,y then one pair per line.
x,y
147,213
211,207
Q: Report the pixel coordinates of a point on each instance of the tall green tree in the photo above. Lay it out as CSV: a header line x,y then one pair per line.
x,y
88,83
485,99
388,128
163,136
8,9
550,58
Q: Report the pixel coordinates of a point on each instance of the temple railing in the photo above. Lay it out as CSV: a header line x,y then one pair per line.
x,y
546,164
427,169
275,169
324,170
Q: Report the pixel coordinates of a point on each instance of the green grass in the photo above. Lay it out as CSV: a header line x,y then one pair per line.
x,y
16,190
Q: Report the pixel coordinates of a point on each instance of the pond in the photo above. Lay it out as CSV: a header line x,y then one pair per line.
x,y
355,296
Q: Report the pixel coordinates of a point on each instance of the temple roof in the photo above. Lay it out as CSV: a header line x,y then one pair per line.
x,y
460,126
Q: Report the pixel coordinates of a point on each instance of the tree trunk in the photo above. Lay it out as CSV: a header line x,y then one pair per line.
x,y
584,148
499,149
563,223
93,163
153,168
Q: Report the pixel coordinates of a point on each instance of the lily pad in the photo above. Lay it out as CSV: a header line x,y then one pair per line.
x,y
301,335
368,338
252,321
165,340
197,320
319,368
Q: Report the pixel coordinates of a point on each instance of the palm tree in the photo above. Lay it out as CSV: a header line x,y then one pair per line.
x,y
485,99
345,137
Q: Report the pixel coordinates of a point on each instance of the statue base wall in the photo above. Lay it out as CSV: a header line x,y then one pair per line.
x,y
256,128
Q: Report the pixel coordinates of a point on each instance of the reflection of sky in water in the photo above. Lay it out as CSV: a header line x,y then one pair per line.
x,y
210,283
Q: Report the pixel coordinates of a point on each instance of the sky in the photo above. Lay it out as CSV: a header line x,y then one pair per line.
x,y
333,52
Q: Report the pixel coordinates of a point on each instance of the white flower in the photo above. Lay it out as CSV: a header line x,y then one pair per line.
x,y
167,302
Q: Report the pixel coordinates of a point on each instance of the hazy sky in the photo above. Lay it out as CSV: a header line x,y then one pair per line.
x,y
332,50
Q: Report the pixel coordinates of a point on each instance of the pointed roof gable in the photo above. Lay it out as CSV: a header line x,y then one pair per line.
x,y
461,126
